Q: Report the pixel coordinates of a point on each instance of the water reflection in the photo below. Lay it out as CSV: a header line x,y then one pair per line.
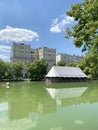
x,y
27,106
66,92
59,94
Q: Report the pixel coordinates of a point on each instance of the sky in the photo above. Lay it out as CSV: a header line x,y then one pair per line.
x,y
39,23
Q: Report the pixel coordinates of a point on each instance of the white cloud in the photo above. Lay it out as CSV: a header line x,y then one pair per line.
x,y
17,34
55,28
5,48
59,25
71,19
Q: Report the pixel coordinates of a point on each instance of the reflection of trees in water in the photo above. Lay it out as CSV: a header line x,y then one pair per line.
x,y
91,95
26,98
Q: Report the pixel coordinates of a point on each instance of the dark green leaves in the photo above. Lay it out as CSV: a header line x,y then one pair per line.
x,y
85,33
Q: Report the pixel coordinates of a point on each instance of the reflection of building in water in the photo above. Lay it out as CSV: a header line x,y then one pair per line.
x,y
21,106
66,93
31,102
43,107
22,110
3,111
37,109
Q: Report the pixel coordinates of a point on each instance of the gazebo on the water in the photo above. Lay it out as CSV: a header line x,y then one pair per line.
x,y
65,74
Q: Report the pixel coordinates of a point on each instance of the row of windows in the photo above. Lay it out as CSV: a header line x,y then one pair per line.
x,y
20,59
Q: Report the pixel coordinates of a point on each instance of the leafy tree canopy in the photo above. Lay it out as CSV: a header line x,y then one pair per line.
x,y
89,65
37,69
85,31
61,63
2,69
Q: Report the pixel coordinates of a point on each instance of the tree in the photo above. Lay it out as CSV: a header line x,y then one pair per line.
x,y
37,69
89,65
9,71
61,63
17,69
85,31
2,69
72,64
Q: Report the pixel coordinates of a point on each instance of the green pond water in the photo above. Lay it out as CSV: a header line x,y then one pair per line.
x,y
41,106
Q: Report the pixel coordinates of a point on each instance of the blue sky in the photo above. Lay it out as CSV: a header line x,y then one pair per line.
x,y
40,23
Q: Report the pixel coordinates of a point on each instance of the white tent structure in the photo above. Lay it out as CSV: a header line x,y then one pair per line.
x,y
62,73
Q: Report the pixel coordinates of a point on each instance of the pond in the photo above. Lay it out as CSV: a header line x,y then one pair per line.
x,y
41,106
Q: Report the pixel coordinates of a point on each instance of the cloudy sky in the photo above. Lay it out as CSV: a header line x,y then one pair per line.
x,y
40,23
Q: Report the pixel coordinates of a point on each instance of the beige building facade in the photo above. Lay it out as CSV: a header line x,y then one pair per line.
x,y
34,54
20,53
24,53
68,58
48,54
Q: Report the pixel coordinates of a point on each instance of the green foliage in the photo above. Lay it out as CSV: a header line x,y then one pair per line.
x,y
85,33
89,64
72,64
14,71
17,69
60,63
2,69
37,69
9,71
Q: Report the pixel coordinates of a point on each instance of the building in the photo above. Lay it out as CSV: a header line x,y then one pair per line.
x,y
48,54
20,52
67,58
24,53
63,74
34,54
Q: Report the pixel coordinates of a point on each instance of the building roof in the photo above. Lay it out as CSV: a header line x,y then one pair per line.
x,y
62,71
